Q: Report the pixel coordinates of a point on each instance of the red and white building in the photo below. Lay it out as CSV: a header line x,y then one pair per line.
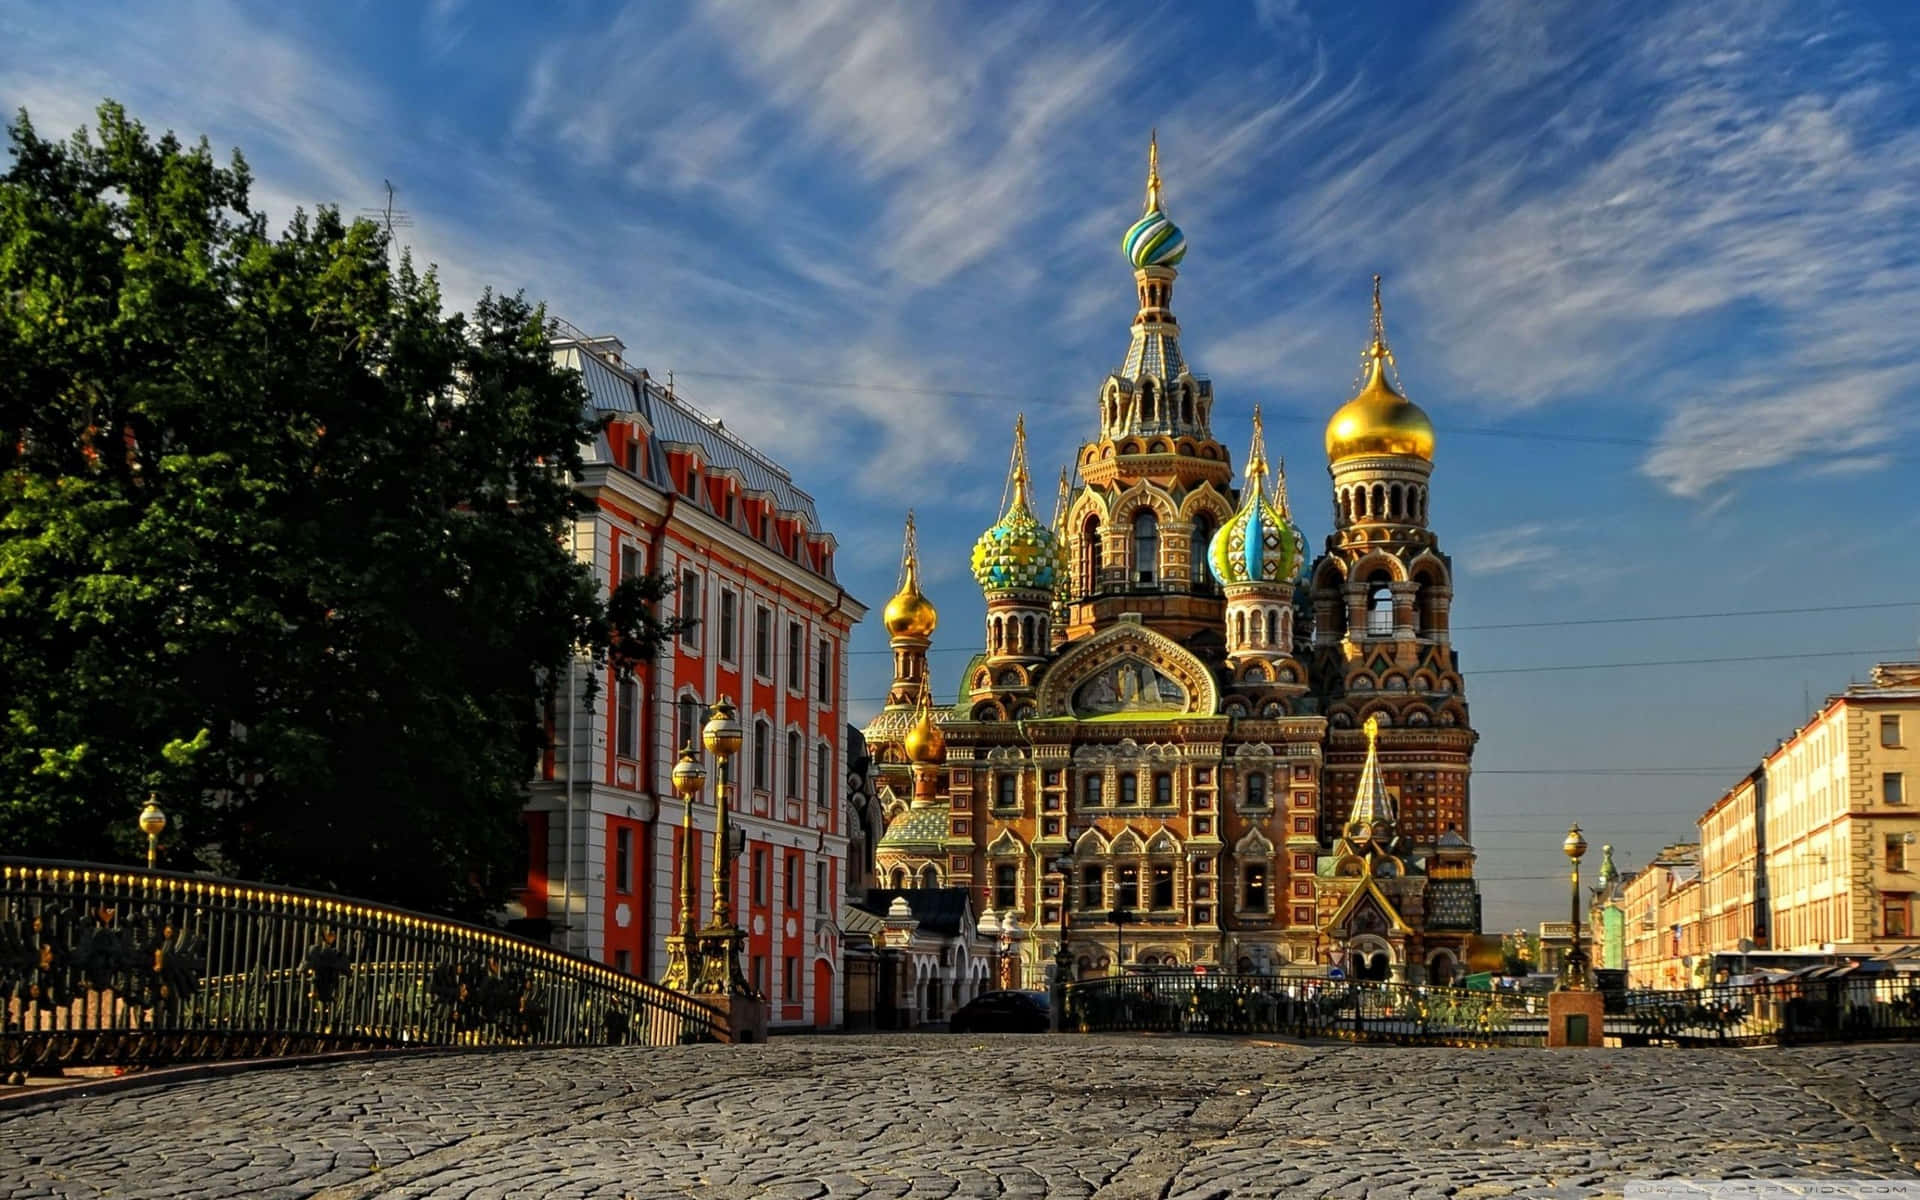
x,y
676,492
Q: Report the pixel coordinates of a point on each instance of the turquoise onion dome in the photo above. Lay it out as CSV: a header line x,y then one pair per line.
x,y
1018,553
1259,543
1154,240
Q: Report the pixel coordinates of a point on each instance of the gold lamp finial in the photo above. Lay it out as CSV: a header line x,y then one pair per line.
x,y
1153,171
910,613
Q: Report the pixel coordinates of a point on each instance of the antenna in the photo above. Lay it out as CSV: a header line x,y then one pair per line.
x,y
389,217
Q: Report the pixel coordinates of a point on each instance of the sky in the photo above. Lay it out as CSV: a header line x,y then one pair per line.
x,y
1654,269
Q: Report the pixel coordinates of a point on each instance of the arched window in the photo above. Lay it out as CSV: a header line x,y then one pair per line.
x,y
1256,790
899,879
1090,555
1379,609
1240,619
1146,401
793,763
1146,545
762,756
929,878
1186,407
1273,627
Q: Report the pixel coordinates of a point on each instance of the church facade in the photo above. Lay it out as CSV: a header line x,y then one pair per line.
x,y
1186,742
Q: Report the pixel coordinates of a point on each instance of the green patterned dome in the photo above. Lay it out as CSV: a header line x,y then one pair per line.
x,y
1018,553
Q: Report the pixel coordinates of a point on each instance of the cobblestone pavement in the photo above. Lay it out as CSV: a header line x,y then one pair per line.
x,y
954,1116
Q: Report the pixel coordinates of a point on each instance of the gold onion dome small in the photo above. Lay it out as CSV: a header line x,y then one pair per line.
x,y
910,613
925,743
1379,420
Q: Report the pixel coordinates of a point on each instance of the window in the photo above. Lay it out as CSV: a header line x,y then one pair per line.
x,y
1006,887
1896,851
1202,541
792,881
1893,917
1146,545
929,878
1090,556
758,965
1380,612
627,736
790,979
820,886
796,656
1093,888
633,561
1162,875
1129,788
823,672
729,626
1126,891
1890,731
1090,789
623,860
762,643
623,961
1256,790
793,762
760,877
762,756
690,608
1255,892
823,775
1006,790
726,505
689,722
1893,787
1163,788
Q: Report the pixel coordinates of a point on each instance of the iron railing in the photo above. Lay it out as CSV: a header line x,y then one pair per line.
x,y
1305,1007
1852,1009
1856,1008
103,965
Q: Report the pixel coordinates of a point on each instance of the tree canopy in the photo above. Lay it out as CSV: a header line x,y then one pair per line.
x,y
280,540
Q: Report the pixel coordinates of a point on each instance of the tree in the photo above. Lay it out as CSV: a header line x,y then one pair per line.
x,y
279,539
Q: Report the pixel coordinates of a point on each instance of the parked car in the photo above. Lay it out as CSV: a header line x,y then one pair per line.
x,y
1002,1012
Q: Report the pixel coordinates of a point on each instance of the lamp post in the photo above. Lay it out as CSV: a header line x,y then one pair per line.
x,y
720,972
153,822
1121,918
1576,849
683,949
1063,957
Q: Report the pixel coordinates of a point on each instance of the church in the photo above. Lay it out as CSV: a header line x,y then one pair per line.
x,y
1186,744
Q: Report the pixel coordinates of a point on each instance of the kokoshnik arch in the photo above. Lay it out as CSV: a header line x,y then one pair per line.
x,y
1265,760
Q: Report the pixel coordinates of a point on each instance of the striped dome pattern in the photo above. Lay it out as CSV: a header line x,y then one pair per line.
x,y
1258,544
1154,241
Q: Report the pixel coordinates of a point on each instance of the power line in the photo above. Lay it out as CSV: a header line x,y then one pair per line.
x,y
1581,621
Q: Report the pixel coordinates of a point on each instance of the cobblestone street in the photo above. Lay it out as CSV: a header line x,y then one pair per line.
x,y
953,1116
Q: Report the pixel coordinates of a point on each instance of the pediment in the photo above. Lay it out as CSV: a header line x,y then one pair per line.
x,y
1128,669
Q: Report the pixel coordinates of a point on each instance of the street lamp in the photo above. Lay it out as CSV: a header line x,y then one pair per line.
x,y
1063,957
153,822
720,972
683,949
1121,918
1576,849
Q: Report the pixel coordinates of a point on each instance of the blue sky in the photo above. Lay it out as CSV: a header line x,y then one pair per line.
x,y
1654,269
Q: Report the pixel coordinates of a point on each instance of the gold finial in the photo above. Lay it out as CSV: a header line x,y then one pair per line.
x,y
1379,356
1060,499
1280,487
1257,454
1015,497
1373,732
910,558
1379,317
1153,171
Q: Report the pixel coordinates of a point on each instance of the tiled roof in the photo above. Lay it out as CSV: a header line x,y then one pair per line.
x,y
918,827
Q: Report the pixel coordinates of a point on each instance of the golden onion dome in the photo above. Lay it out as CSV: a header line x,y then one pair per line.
x,y
910,613
925,743
1379,421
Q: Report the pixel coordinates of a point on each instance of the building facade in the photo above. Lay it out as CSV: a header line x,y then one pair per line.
x,y
1186,742
674,491
1661,905
1733,883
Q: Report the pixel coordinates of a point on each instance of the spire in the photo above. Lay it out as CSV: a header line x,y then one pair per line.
x,y
1153,172
1378,358
909,559
1015,498
1060,505
1257,453
1372,805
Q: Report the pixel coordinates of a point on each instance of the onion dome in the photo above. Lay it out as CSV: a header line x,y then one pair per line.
x,y
1154,240
910,613
1018,553
925,743
1379,420
1260,543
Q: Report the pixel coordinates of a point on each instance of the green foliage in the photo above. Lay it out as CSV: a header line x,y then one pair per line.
x,y
279,540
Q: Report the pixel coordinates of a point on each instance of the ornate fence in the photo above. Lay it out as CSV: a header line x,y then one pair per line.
x,y
100,965
1852,1009
1306,1007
